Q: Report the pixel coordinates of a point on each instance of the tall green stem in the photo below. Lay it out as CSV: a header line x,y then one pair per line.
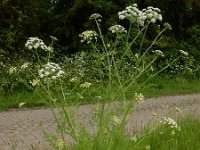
x,y
152,44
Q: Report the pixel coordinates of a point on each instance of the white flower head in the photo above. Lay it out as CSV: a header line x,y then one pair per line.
x,y
12,70
153,14
183,52
96,16
133,14
25,65
167,26
54,38
74,79
134,139
51,71
139,97
159,53
35,82
85,85
170,123
49,49
116,120
117,29
35,43
88,36
21,104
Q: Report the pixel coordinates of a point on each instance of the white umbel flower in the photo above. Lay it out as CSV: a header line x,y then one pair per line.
x,y
170,122
183,52
117,29
88,36
85,85
51,71
133,14
139,97
35,43
96,16
159,53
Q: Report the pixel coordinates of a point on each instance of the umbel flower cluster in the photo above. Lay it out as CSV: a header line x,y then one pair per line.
x,y
35,43
117,29
88,36
96,16
170,122
51,71
139,97
132,13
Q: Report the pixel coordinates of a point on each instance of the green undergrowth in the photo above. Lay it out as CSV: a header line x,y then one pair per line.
x,y
162,138
171,86
156,87
167,134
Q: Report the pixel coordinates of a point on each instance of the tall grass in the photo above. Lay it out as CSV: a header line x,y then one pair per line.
x,y
165,138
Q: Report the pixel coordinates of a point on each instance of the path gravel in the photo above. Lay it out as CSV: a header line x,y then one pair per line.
x,y
24,129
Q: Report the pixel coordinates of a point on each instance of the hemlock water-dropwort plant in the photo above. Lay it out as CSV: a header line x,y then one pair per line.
x,y
115,82
116,53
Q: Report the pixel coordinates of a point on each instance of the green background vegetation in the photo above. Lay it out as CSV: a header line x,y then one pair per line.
x,y
66,19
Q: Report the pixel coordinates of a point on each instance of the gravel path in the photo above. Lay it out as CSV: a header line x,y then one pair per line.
x,y
23,129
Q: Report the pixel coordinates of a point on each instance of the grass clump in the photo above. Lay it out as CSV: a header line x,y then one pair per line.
x,y
167,134
165,138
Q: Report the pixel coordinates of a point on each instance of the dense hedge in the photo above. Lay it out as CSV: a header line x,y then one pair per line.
x,y
65,19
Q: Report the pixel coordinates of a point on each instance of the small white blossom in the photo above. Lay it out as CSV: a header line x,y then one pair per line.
x,y
35,82
168,26
29,47
88,36
60,143
25,65
148,147
53,38
115,120
139,97
12,70
183,52
117,29
134,139
96,16
74,79
21,104
159,52
85,85
49,49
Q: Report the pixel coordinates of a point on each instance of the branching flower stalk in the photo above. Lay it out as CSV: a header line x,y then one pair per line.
x,y
108,58
161,70
160,33
143,37
110,78
131,81
51,73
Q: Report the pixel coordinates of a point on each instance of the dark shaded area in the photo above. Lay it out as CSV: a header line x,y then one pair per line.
x,y
65,19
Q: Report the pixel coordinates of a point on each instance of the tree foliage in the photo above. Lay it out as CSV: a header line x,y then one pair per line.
x,y
66,19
